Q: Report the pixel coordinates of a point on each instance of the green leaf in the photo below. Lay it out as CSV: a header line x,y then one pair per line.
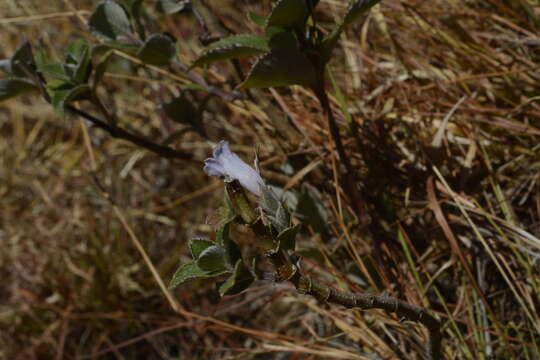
x,y
212,259
110,21
239,280
22,61
182,111
66,93
5,66
56,70
237,46
354,11
158,49
197,246
190,271
101,67
280,67
13,87
172,6
232,251
287,238
280,38
79,56
288,13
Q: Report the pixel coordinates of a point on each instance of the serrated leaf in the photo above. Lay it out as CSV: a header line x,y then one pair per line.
x,y
190,271
280,67
13,87
212,259
63,95
287,238
233,47
197,246
239,280
232,251
110,21
158,49
354,11
172,6
182,111
288,13
22,60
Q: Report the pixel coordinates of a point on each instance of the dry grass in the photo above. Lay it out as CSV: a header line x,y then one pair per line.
x,y
439,105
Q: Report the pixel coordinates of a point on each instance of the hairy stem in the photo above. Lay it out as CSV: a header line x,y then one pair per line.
x,y
286,271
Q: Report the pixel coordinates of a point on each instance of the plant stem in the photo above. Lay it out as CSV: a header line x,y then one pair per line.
x,y
286,271
349,177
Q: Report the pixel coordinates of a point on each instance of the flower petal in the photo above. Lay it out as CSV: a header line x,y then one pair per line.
x,y
227,163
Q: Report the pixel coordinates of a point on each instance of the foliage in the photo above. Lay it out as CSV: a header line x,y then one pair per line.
x,y
431,199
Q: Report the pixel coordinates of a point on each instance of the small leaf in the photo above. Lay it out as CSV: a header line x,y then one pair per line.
x,y
158,49
281,39
56,70
197,246
182,111
101,66
287,238
22,60
212,259
232,251
172,6
66,93
13,87
354,11
190,271
288,13
239,280
237,46
110,21
280,67
268,200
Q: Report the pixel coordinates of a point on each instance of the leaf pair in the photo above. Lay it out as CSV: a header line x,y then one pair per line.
x,y
213,259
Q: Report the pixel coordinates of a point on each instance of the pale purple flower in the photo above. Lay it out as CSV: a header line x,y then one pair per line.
x,y
227,164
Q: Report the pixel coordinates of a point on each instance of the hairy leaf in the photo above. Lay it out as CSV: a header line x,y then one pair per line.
x,y
158,49
190,271
288,13
280,67
237,46
13,87
239,280
110,21
212,259
197,246
232,251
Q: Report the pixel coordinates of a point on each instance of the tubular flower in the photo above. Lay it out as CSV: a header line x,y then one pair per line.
x,y
227,164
